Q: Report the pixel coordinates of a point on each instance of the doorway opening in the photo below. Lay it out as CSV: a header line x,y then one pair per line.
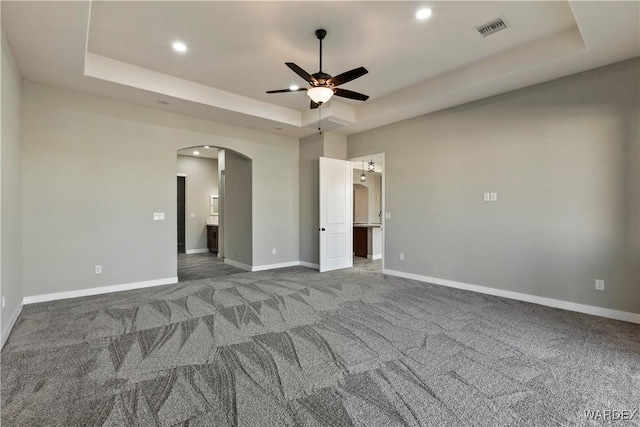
x,y
368,211
181,203
214,225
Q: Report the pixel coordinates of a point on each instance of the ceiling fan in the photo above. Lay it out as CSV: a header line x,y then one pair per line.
x,y
323,85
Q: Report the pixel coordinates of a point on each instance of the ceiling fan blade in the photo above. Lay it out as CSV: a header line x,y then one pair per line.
x,y
348,76
287,90
302,73
313,105
350,94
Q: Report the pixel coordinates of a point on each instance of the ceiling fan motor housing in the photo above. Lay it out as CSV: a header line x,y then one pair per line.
x,y
321,78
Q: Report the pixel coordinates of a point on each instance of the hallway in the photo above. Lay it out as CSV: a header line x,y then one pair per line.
x,y
203,266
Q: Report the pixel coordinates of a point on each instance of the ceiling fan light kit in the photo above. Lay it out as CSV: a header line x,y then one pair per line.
x,y
320,94
322,85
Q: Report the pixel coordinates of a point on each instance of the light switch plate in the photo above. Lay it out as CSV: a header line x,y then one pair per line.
x,y
494,197
387,215
486,197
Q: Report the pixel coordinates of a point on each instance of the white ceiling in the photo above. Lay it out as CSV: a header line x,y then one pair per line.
x,y
237,52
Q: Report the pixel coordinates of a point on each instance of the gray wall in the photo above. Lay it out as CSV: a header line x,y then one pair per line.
x,y
94,172
202,181
10,192
237,221
311,149
335,145
563,157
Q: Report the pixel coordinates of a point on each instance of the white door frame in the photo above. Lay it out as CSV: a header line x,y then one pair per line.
x,y
382,197
221,196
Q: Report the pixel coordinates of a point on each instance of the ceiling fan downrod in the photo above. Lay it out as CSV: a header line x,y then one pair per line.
x,y
321,34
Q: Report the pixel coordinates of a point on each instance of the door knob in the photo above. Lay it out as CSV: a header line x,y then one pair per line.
x,y
322,229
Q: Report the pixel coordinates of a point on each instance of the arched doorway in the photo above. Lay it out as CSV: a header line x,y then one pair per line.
x,y
217,218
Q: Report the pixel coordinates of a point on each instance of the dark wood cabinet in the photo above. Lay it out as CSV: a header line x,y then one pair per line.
x,y
212,238
360,241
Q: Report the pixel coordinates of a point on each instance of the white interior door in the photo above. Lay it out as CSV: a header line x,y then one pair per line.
x,y
336,228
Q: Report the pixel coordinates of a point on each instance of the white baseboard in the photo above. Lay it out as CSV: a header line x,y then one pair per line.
x,y
269,266
310,265
237,264
272,266
96,291
196,251
549,302
373,257
6,330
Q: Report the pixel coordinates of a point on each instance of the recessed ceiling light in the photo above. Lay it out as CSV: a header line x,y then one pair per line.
x,y
179,46
206,146
293,87
424,13
196,153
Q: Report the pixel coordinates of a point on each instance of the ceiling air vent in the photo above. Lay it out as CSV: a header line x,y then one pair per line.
x,y
491,27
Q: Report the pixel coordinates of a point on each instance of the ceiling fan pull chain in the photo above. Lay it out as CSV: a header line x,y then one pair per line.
x,y
319,119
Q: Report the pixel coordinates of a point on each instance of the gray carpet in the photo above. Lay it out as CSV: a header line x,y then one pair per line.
x,y
294,347
367,265
203,266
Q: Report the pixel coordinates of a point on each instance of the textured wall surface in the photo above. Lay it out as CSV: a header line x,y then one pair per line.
x,y
95,170
563,157
10,193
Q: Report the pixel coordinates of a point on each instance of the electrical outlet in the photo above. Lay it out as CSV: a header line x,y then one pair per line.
x,y
401,256
98,269
600,284
274,251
